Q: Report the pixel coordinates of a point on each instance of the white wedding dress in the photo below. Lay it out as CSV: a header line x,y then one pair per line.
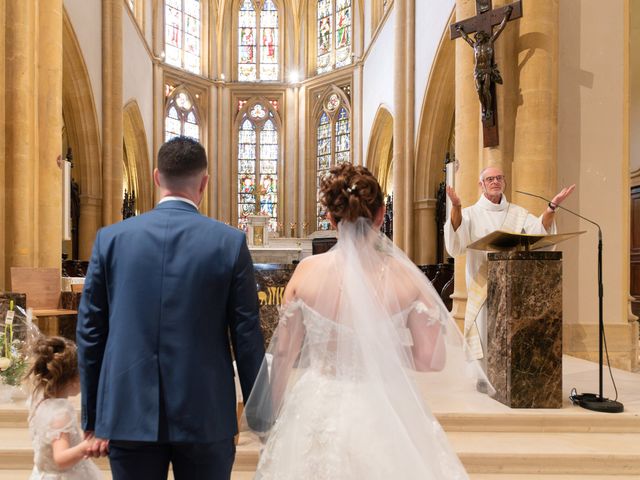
x,y
51,418
339,401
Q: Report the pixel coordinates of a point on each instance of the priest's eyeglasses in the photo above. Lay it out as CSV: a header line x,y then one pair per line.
x,y
497,178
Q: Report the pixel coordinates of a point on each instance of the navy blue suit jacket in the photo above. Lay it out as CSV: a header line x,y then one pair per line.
x,y
165,293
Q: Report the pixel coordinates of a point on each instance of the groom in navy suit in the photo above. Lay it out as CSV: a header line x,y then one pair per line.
x,y
167,294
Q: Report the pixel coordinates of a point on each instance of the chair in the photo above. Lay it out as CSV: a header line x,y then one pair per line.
x,y
42,287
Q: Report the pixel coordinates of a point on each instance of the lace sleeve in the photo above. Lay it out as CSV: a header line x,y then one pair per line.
x,y
60,418
432,314
287,312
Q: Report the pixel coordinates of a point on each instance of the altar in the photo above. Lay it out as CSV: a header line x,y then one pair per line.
x,y
281,250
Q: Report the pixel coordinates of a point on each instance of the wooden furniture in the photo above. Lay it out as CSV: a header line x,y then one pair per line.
x,y
42,287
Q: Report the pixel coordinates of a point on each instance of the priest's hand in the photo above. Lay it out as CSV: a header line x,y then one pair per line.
x,y
562,195
547,216
453,196
456,210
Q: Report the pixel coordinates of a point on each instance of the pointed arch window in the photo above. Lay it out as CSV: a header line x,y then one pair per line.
x,y
333,145
334,33
181,116
183,33
258,158
258,41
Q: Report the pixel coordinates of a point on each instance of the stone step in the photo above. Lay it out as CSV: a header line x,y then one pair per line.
x,y
537,476
548,453
533,453
507,453
24,474
569,420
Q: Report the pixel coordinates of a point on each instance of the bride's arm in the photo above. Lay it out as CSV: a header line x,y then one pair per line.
x,y
288,342
429,352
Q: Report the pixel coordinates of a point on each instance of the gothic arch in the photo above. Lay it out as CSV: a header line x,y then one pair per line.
x,y
83,133
282,39
318,100
434,134
274,116
380,151
137,161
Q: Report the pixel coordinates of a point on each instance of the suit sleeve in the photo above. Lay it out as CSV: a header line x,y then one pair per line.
x,y
91,334
246,334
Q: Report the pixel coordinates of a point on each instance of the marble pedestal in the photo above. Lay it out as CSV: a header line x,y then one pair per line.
x,y
524,328
271,280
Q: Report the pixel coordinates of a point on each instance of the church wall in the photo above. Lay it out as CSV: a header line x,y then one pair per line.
x,y
431,19
148,21
86,18
591,153
634,88
378,78
3,27
137,83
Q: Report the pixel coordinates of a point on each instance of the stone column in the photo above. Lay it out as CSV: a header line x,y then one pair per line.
x,y
21,135
3,28
212,155
112,110
536,129
468,144
49,206
158,120
403,125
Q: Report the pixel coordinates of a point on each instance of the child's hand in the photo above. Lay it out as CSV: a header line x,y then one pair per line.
x,y
88,446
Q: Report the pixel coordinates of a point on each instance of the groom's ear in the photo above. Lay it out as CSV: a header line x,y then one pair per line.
x,y
203,183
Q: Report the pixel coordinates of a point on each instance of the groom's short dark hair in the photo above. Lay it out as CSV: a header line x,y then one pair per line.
x,y
181,157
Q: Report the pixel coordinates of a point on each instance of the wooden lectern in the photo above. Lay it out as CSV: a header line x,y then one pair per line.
x,y
524,318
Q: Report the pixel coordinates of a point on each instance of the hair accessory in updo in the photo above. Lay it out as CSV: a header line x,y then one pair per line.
x,y
350,192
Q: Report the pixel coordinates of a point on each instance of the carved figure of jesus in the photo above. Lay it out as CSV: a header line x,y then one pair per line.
x,y
486,71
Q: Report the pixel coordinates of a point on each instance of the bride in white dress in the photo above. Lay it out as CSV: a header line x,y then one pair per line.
x,y
339,400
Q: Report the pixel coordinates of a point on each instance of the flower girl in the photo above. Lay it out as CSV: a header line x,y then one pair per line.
x,y
60,453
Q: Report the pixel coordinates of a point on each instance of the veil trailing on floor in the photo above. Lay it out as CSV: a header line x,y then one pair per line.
x,y
342,368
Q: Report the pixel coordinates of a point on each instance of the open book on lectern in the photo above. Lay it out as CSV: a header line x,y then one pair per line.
x,y
500,241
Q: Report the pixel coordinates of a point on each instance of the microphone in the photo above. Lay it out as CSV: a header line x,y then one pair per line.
x,y
593,401
566,209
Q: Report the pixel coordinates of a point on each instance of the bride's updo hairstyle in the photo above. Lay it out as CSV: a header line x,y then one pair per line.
x,y
350,192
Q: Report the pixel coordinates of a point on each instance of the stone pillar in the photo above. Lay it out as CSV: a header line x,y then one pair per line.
x,y
536,140
403,125
21,135
3,28
468,144
49,206
212,155
112,110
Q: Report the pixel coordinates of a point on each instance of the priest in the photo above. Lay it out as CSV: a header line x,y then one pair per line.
x,y
490,213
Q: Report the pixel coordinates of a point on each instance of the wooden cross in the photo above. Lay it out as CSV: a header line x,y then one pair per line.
x,y
486,72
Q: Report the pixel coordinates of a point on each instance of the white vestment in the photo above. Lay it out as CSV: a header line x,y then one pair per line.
x,y
479,220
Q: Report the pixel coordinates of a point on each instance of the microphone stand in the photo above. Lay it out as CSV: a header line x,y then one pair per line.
x,y
592,401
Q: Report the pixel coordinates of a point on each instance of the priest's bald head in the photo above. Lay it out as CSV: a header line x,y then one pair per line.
x,y
492,182
182,169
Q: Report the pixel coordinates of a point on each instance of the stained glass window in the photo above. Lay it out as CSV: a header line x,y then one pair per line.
x,y
181,117
332,148
182,20
258,152
258,41
334,31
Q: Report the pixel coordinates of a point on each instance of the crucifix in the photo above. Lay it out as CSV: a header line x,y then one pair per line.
x,y
486,73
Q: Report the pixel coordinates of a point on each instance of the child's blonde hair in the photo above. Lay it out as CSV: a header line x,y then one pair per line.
x,y
55,364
